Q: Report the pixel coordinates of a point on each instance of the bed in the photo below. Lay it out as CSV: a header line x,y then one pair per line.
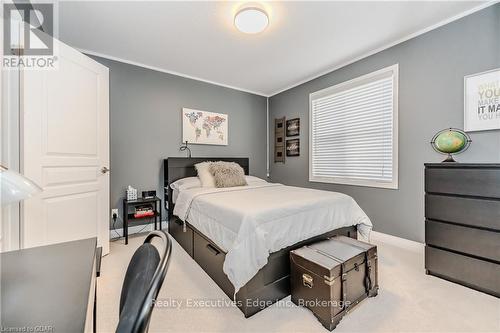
x,y
264,277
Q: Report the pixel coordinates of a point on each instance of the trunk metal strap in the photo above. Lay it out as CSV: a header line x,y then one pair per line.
x,y
344,286
368,264
331,256
368,275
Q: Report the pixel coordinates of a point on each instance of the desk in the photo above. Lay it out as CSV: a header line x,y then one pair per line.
x,y
49,288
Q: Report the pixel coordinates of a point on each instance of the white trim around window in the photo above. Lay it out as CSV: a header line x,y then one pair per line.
x,y
353,131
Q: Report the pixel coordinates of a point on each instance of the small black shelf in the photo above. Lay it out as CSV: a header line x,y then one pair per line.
x,y
129,216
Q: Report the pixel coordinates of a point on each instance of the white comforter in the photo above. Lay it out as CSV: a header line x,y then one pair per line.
x,y
250,222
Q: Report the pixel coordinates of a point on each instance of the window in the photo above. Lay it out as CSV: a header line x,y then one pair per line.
x,y
354,131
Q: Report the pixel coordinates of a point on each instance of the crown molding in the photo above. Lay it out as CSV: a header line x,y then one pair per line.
x,y
387,46
158,69
311,77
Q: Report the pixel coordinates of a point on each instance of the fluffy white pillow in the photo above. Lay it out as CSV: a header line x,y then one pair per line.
x,y
227,174
204,174
252,180
186,183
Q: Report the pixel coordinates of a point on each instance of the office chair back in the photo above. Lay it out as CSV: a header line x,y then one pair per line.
x,y
143,280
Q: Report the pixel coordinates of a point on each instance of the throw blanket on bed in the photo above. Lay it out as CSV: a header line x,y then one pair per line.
x,y
250,222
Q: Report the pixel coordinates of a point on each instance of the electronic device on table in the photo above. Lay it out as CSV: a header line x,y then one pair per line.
x,y
148,194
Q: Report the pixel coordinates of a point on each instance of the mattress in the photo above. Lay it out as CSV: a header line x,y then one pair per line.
x,y
250,222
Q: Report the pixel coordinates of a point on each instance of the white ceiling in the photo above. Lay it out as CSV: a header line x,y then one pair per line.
x,y
198,39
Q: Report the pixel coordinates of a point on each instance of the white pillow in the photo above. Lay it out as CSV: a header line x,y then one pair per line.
x,y
252,180
185,183
227,174
204,174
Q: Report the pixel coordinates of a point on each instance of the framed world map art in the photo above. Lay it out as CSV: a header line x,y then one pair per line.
x,y
482,101
203,127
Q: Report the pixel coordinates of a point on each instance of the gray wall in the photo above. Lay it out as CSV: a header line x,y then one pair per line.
x,y
431,71
145,125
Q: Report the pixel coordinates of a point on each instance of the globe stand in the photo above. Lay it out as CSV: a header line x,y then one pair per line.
x,y
449,159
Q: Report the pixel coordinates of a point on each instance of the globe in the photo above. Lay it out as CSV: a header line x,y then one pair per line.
x,y
450,141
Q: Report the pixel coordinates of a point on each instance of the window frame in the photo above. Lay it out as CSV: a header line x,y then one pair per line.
x,y
370,77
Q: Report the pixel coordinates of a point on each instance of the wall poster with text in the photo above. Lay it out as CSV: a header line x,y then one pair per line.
x,y
482,101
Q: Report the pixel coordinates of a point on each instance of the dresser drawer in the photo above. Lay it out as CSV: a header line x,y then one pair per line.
x,y
183,237
469,211
480,182
475,273
477,242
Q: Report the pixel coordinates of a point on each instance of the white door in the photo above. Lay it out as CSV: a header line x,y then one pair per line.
x,y
65,148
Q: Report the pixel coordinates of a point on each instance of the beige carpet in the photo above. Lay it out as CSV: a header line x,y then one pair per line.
x,y
408,301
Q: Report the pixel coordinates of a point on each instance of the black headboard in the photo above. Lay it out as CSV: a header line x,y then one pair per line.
x,y
181,167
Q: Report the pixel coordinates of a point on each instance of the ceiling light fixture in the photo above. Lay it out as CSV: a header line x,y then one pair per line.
x,y
251,20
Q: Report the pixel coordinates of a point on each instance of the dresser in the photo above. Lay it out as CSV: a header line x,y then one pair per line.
x,y
462,224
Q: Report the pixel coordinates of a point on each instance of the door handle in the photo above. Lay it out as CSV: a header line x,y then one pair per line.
x,y
105,170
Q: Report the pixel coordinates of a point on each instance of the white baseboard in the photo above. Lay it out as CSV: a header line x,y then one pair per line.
x,y
402,243
116,233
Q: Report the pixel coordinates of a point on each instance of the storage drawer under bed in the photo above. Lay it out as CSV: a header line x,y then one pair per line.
x,y
211,259
183,236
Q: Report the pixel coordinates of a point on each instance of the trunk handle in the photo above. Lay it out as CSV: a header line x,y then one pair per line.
x,y
307,280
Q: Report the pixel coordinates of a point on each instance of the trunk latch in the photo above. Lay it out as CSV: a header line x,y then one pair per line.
x,y
307,280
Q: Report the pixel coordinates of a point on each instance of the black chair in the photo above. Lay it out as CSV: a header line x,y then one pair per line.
x,y
145,274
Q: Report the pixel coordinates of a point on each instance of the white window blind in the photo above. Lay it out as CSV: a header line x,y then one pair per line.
x,y
353,131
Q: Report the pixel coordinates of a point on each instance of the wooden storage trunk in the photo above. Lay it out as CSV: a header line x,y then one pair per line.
x,y
331,276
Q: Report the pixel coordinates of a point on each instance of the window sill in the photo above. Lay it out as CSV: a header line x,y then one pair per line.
x,y
353,182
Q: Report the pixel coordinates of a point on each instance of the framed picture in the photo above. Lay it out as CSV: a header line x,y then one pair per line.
x,y
203,127
293,147
482,101
293,127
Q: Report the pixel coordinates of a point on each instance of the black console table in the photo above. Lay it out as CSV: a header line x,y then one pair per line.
x,y
462,226
129,216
